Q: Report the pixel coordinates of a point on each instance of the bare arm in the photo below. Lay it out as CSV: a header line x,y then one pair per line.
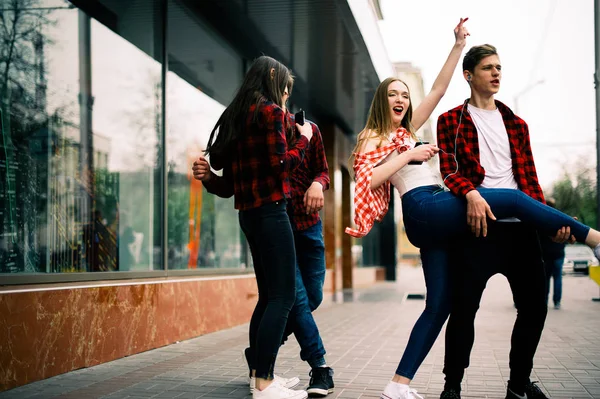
x,y
424,110
383,171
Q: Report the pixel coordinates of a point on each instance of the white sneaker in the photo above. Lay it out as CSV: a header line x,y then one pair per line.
x,y
277,391
284,382
394,390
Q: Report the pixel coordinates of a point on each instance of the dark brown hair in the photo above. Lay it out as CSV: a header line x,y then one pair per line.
x,y
266,80
476,54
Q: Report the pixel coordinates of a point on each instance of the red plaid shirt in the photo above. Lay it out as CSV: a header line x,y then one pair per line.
x,y
261,162
370,205
312,169
470,173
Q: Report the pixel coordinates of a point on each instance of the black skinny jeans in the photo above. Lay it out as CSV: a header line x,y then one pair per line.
x,y
512,249
269,234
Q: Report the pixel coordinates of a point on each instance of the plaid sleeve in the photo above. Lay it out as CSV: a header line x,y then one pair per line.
x,y
446,131
221,186
280,155
364,217
533,184
319,166
370,205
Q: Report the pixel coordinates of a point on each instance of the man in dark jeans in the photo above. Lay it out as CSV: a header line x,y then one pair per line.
x,y
554,258
483,143
308,181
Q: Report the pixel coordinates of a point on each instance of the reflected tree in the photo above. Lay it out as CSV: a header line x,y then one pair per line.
x,y
27,143
141,159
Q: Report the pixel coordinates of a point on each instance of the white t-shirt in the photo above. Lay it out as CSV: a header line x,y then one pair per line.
x,y
494,150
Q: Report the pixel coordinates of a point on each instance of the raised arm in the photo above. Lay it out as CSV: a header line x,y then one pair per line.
x,y
280,155
424,110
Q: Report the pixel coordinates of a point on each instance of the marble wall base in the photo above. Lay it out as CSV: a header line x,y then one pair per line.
x,y
46,333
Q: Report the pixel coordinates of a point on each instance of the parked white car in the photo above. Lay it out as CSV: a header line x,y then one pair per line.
x,y
579,258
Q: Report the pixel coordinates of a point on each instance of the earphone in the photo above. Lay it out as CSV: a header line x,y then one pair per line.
x,y
453,155
469,77
462,110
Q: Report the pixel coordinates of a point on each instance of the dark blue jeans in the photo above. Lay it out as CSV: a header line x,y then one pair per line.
x,y
437,308
433,218
554,268
269,234
428,209
310,277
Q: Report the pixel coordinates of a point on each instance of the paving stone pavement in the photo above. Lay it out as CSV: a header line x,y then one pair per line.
x,y
364,334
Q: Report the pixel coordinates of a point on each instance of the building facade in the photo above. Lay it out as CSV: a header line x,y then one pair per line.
x,y
108,247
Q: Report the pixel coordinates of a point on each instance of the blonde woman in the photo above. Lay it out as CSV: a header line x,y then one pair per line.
x,y
387,154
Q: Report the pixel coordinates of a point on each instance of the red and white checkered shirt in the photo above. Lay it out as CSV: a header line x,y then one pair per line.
x,y
370,205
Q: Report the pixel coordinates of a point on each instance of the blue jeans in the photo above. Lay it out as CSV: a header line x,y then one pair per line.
x,y
437,308
432,218
554,269
310,277
428,209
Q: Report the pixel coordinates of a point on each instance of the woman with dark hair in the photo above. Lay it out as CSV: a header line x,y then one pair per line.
x,y
251,143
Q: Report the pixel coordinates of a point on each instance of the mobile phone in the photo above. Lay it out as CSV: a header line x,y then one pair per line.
x,y
299,117
416,145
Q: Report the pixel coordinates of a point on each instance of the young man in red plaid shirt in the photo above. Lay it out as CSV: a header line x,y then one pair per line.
x,y
307,181
484,144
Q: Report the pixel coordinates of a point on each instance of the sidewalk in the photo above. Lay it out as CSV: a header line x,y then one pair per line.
x,y
364,337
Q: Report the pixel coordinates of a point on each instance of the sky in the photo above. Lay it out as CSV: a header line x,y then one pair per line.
x,y
546,48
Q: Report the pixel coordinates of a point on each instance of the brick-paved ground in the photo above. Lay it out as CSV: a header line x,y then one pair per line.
x,y
364,337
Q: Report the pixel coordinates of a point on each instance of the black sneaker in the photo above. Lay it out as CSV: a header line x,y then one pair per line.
x,y
510,394
450,394
533,391
321,382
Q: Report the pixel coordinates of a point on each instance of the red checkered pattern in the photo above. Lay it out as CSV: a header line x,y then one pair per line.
x,y
469,173
370,205
313,168
261,161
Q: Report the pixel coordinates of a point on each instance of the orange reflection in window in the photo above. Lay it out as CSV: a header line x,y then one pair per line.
x,y
195,213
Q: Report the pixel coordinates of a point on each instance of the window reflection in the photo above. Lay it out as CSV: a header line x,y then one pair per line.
x,y
81,122
78,155
203,230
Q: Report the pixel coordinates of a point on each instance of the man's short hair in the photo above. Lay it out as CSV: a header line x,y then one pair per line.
x,y
476,54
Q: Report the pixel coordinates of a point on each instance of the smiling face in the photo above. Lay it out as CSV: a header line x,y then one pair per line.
x,y
486,76
399,102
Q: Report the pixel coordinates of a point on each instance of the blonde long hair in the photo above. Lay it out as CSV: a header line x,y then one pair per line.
x,y
379,121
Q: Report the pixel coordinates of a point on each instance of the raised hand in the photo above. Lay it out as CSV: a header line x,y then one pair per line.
x,y
305,130
461,32
423,153
201,169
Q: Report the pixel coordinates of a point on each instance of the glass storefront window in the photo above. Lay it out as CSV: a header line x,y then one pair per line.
x,y
80,111
203,230
81,117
